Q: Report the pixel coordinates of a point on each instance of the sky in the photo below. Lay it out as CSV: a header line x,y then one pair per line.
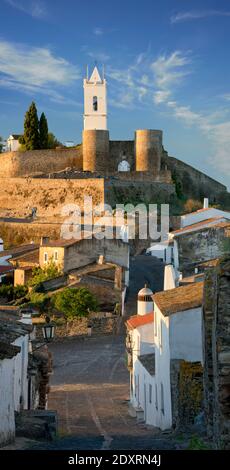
x,y
167,66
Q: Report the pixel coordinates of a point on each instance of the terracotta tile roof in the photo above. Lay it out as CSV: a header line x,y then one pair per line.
x,y
199,225
139,320
59,243
19,250
180,299
148,362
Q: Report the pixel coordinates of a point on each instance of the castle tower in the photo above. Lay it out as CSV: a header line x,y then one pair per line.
x,y
148,150
144,301
95,102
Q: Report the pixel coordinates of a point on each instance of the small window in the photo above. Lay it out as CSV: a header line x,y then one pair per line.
x,y
150,393
45,257
95,104
162,400
156,397
55,255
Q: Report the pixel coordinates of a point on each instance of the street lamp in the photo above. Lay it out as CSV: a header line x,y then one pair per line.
x,y
48,330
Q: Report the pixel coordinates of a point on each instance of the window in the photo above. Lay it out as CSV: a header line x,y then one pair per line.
x,y
45,257
95,104
156,397
55,255
150,393
162,400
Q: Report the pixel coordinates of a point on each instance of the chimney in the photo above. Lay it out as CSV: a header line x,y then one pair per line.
x,y
205,203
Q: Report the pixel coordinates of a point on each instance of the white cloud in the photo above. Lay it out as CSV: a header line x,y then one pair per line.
x,y
226,96
170,70
36,9
161,96
34,70
196,14
97,55
98,31
33,65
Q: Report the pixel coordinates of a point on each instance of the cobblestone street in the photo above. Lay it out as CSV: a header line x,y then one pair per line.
x,y
90,384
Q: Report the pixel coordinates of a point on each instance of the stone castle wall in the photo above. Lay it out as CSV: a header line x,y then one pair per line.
x,y
16,164
19,195
195,183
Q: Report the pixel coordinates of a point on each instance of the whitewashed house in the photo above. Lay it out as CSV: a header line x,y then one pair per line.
x,y
13,144
14,354
162,251
141,356
203,214
154,340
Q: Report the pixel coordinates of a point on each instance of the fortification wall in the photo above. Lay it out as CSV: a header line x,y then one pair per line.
x,y
118,148
195,183
95,150
148,150
19,195
135,191
17,164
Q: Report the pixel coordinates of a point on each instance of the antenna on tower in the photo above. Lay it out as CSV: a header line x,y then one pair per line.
x,y
87,72
103,71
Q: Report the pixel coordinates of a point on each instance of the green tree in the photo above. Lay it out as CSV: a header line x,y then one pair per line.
x,y
31,129
53,142
48,272
75,302
43,132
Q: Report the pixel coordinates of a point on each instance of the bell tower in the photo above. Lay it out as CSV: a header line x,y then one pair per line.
x,y
95,102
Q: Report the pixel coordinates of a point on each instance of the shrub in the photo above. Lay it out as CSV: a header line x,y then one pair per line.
x,y
75,302
192,205
10,292
40,275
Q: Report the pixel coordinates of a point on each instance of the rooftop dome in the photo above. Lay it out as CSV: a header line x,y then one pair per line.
x,y
145,291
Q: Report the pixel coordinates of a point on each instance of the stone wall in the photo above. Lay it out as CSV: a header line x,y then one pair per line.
x,y
119,148
137,191
216,311
202,245
186,392
19,195
100,325
14,164
196,184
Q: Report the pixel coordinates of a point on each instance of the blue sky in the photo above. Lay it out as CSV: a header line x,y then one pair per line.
x,y
167,66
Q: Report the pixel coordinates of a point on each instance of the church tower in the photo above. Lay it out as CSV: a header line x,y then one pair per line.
x,y
95,102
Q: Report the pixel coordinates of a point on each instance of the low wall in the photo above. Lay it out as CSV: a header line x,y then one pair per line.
x,y
100,325
14,164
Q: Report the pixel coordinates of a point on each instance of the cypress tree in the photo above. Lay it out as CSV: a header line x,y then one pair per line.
x,y
31,128
43,131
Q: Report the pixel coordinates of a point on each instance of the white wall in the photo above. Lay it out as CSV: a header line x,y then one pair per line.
x,y
169,277
7,422
195,217
13,145
21,366
145,380
95,119
186,335
161,251
162,369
